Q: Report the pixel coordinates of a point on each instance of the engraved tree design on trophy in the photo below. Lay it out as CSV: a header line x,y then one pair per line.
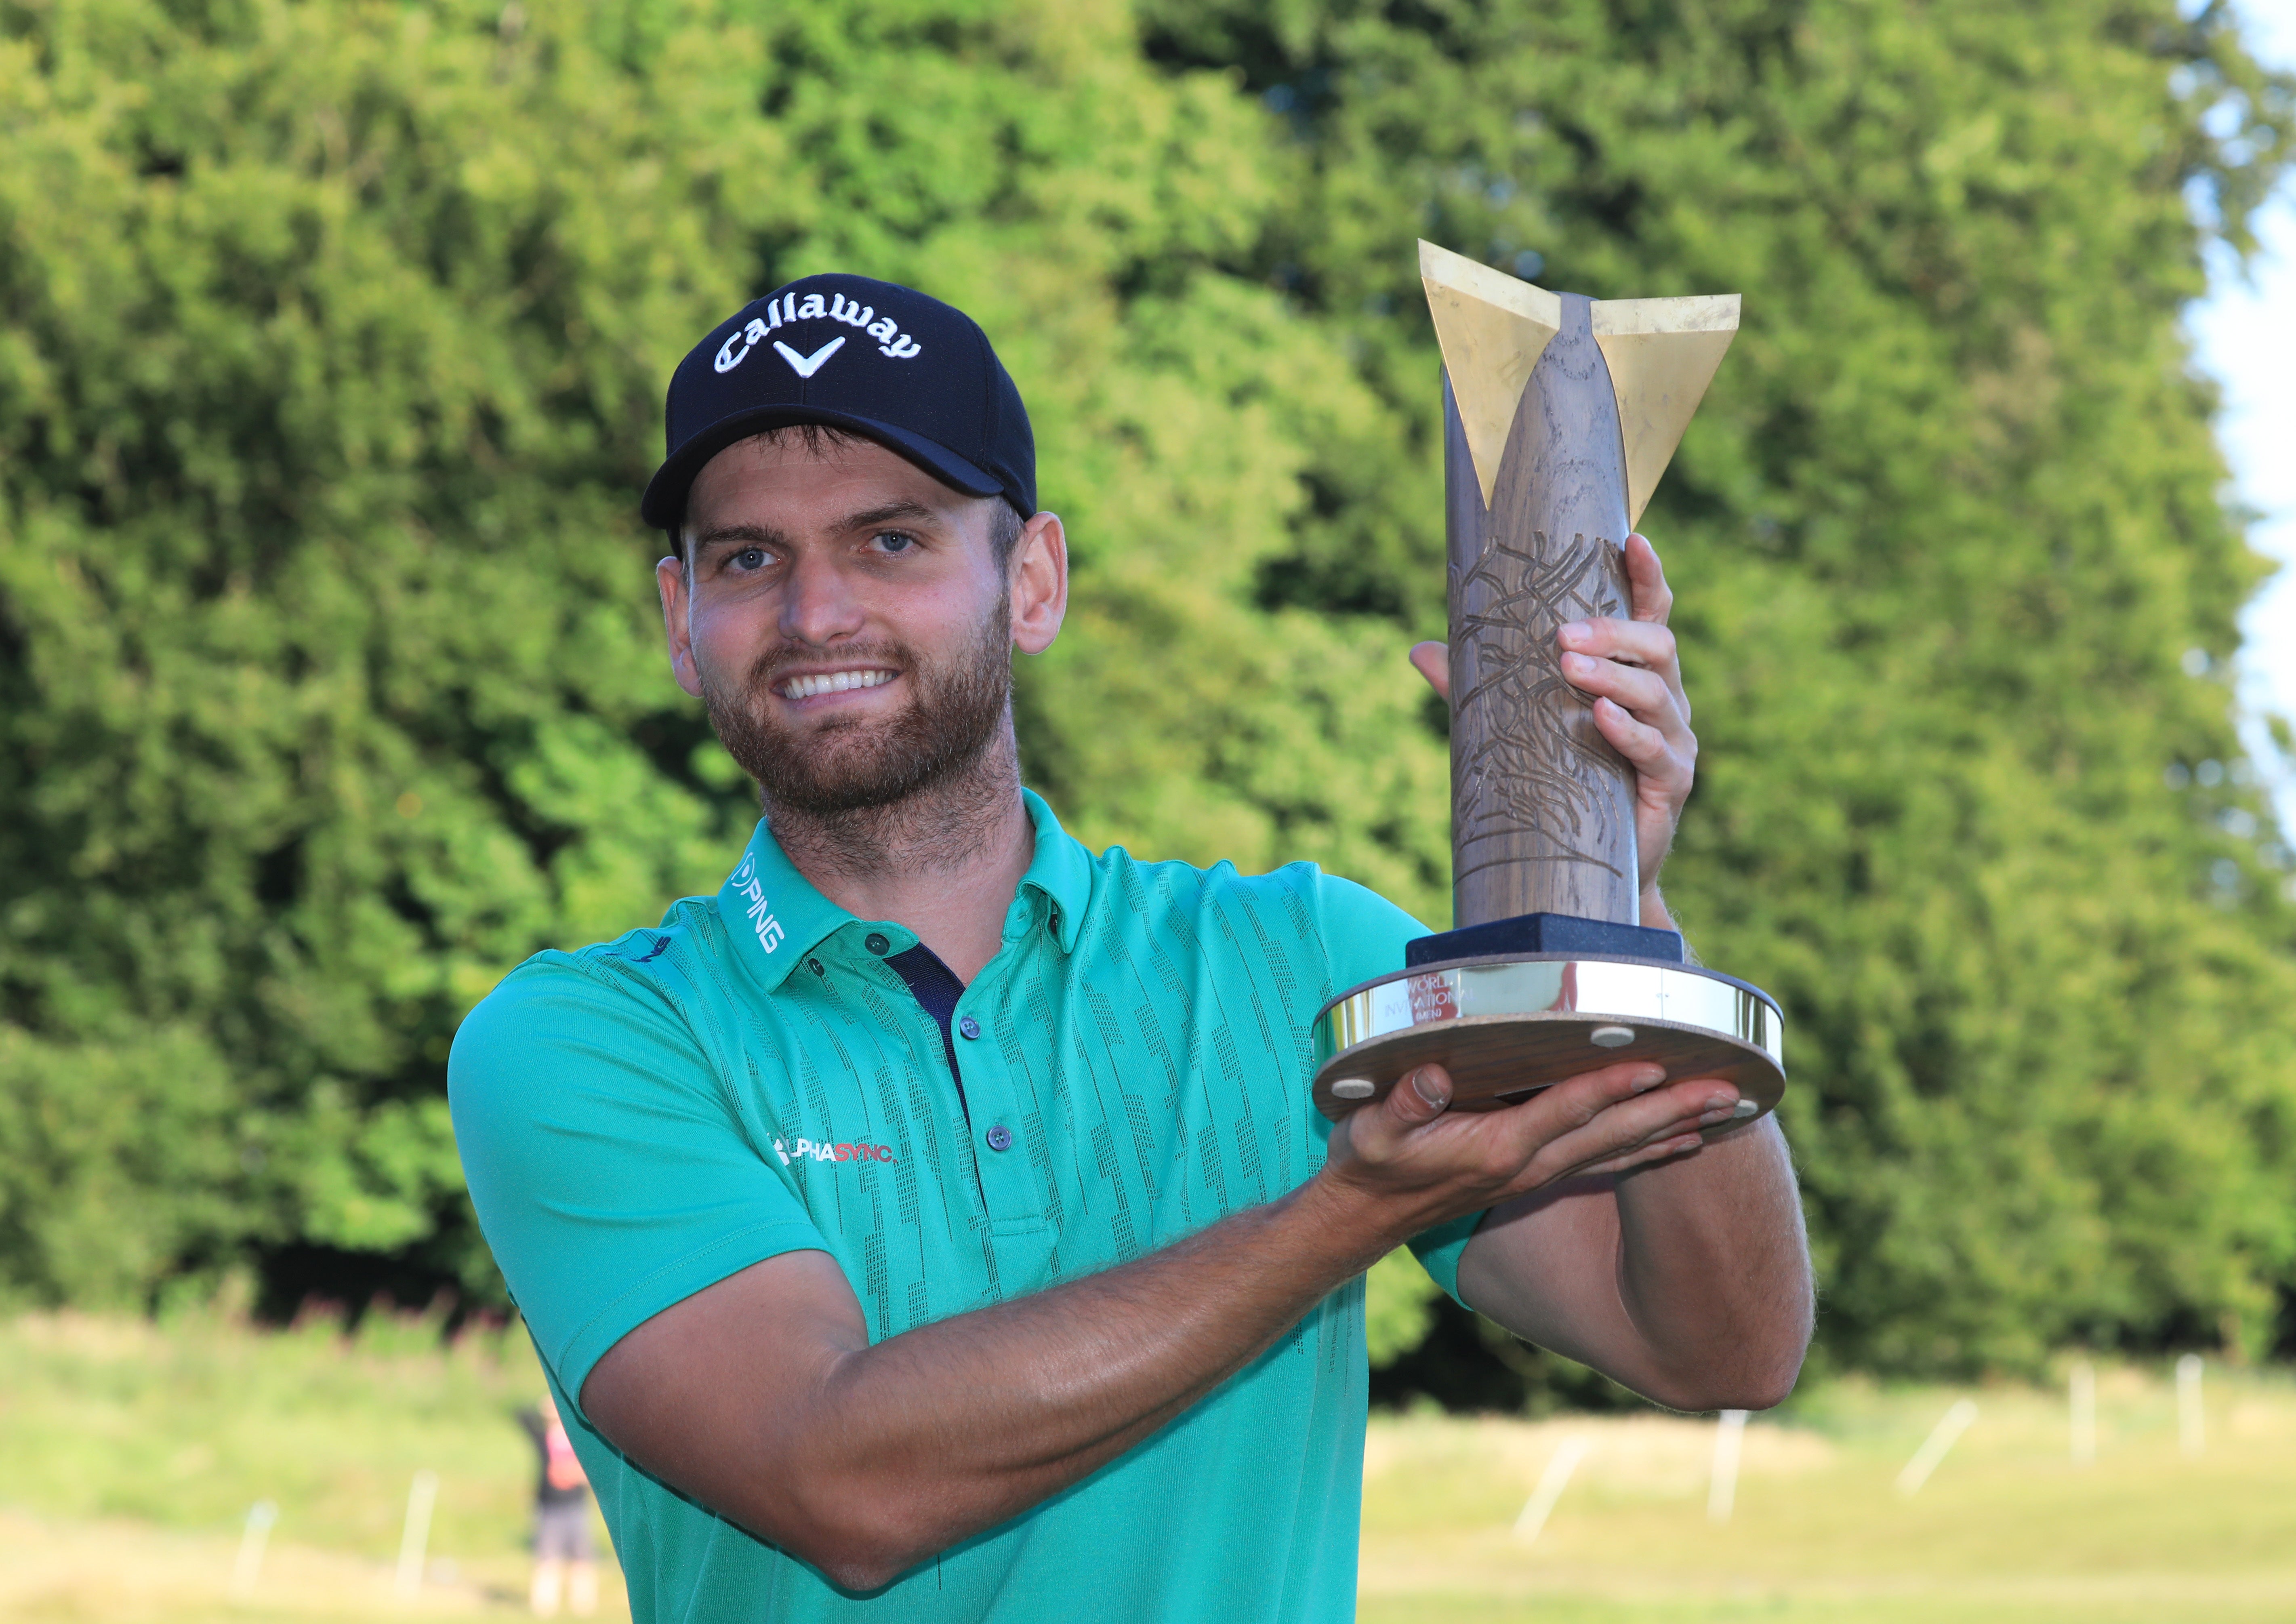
x,y
1542,769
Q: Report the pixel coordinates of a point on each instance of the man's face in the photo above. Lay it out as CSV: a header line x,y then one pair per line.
x,y
845,618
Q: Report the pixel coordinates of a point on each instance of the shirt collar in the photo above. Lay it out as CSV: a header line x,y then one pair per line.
x,y
778,916
1062,869
774,911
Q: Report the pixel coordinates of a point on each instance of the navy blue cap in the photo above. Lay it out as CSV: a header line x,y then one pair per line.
x,y
884,361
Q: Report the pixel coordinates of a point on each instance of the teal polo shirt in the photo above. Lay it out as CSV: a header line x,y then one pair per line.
x,y
641,1118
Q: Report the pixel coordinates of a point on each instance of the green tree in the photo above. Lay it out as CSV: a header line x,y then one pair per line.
x,y
332,339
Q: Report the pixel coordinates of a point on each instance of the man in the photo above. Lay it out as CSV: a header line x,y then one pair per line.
x,y
562,1550
933,1224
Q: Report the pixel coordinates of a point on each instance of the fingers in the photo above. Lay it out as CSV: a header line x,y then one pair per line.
x,y
1629,645
1654,599
1646,692
1633,668
1594,1114
1645,746
1616,1135
1411,1144
1718,1104
1644,720
1672,1147
1634,643
1434,662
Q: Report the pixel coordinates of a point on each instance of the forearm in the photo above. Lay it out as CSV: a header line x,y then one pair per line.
x,y
1713,1263
921,1440
1713,1272
1688,1282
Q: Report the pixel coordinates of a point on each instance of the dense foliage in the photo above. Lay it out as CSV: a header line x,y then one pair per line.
x,y
332,335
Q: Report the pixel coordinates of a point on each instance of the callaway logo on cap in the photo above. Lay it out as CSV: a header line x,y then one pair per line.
x,y
885,361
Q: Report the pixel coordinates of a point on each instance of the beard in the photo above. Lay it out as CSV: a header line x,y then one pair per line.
x,y
956,708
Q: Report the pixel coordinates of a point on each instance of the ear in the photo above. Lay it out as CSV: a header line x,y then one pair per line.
x,y
1040,583
669,575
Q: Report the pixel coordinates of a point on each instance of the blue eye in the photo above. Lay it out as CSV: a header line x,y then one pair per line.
x,y
751,558
895,541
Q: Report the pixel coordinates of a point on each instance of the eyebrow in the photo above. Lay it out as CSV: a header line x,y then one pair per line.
x,y
902,508
765,535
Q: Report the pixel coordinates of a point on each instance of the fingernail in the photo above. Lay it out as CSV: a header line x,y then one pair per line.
x,y
1648,1078
1724,1103
1745,1109
1423,1085
1573,631
1720,1114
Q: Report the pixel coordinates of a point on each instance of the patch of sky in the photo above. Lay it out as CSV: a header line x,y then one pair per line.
x,y
2244,336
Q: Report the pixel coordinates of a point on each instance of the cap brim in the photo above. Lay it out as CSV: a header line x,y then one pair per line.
x,y
664,505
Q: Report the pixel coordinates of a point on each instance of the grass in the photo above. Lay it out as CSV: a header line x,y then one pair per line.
x,y
2006,1532
130,1451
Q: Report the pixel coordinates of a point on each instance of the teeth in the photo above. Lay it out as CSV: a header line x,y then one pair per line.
x,y
834,682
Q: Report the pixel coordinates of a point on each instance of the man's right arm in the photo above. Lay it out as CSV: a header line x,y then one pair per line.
x,y
762,1398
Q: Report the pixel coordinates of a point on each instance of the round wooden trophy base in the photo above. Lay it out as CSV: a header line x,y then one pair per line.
x,y
1505,1028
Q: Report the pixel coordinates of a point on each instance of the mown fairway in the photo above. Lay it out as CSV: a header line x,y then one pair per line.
x,y
132,1451
2006,1529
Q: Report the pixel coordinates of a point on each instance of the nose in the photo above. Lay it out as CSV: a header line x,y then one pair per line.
x,y
817,604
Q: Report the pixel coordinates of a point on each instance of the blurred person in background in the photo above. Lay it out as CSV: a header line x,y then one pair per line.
x,y
934,1223
565,1560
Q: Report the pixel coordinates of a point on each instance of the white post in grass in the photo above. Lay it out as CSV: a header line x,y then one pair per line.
x,y
2191,1436
252,1537
1552,1482
1722,1489
1942,1438
2084,1407
422,1496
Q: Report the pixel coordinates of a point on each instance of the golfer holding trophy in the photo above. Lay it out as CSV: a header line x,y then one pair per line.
x,y
945,1220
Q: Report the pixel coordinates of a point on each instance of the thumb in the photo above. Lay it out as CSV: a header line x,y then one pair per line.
x,y
1378,1131
1418,1097
1433,661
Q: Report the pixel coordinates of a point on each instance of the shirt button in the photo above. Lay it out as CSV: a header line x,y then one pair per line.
x,y
972,1029
1000,1137
877,944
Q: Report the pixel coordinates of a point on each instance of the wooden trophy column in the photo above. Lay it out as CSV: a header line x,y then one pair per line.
x,y
1542,807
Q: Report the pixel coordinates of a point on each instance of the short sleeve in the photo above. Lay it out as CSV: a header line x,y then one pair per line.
x,y
611,1174
1364,935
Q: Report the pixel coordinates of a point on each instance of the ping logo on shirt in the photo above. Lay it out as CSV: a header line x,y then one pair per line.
x,y
761,918
890,339
807,1149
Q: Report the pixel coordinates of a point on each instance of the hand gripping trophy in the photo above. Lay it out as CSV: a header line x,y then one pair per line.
x,y
1560,413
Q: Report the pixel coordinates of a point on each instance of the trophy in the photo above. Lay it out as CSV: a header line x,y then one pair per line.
x,y
1560,413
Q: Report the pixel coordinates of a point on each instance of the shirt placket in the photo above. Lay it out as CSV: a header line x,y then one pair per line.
x,y
1010,1183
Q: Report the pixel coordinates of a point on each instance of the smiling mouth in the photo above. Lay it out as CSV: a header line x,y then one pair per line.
x,y
831,682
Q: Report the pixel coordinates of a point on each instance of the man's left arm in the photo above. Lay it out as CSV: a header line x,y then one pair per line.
x,y
1689,1280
